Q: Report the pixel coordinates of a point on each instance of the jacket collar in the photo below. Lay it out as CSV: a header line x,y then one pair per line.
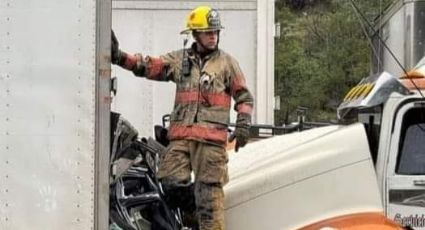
x,y
193,53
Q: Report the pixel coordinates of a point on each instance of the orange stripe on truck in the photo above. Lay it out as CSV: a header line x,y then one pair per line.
x,y
358,221
412,83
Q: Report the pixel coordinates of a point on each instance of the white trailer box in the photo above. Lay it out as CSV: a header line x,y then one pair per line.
x,y
402,29
54,114
153,28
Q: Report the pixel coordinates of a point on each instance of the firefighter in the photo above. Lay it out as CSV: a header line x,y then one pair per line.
x,y
206,79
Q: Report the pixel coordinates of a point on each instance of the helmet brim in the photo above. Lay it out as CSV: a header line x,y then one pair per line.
x,y
188,31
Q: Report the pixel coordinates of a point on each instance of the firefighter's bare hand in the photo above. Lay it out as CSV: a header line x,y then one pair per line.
x,y
115,50
243,124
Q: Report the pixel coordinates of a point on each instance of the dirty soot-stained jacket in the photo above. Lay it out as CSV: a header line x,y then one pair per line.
x,y
202,102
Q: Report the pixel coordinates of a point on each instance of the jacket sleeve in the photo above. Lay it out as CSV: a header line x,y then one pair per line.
x,y
162,68
244,101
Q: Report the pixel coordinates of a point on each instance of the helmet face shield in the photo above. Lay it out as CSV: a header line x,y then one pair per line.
x,y
203,19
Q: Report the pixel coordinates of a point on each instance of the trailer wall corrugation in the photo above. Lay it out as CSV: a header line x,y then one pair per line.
x,y
50,115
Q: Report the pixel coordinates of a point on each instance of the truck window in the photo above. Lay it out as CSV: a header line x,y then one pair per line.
x,y
411,157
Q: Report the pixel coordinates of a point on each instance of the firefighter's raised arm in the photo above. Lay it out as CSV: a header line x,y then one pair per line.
x,y
153,68
119,57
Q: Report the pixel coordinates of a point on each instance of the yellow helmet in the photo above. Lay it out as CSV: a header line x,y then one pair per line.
x,y
202,18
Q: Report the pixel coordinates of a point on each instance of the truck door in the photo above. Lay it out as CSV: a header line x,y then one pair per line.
x,y
405,187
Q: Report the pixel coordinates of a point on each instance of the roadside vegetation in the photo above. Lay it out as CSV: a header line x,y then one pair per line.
x,y
321,53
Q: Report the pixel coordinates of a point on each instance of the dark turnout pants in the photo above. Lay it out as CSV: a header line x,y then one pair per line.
x,y
209,164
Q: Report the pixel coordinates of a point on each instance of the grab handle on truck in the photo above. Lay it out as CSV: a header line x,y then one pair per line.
x,y
419,182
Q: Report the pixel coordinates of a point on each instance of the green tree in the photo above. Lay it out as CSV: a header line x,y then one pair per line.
x,y
323,51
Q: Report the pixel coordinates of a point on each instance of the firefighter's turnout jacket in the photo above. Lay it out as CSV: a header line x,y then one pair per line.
x,y
203,95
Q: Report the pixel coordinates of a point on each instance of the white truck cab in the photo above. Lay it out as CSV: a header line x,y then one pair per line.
x,y
356,174
393,112
401,160
339,176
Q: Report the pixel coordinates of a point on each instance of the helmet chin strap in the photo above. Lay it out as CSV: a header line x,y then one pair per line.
x,y
218,39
